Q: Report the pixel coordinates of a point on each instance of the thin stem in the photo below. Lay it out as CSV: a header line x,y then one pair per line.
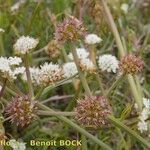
x,y
135,92
122,51
78,128
50,113
31,92
114,85
32,18
39,51
117,123
81,75
3,88
84,142
56,98
93,58
113,28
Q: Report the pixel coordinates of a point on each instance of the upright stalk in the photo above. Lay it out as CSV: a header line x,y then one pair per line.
x,y
81,75
113,27
3,88
31,92
93,58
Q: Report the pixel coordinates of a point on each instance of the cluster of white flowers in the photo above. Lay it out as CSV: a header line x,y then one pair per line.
x,y
17,145
14,8
0,87
125,7
108,63
92,39
81,52
142,124
24,44
8,66
50,73
2,30
69,69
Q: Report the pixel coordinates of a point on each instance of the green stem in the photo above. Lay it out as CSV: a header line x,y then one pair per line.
x,y
113,27
32,18
50,113
139,88
81,75
78,128
93,58
117,123
3,88
31,92
38,51
84,142
135,92
2,49
114,85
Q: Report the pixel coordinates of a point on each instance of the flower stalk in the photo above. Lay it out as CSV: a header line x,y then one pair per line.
x,y
31,92
121,49
81,75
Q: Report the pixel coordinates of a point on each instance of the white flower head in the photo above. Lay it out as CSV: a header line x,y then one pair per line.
x,y
92,39
14,60
70,69
50,73
125,7
19,70
142,126
17,145
144,114
24,44
108,63
8,66
146,103
81,52
0,87
14,8
87,65
2,30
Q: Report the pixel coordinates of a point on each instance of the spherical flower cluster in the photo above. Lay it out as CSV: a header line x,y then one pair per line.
x,y
19,70
87,65
14,8
142,124
125,7
108,63
93,111
2,30
17,145
70,69
53,49
81,52
24,44
92,39
8,67
131,64
70,29
50,73
21,110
